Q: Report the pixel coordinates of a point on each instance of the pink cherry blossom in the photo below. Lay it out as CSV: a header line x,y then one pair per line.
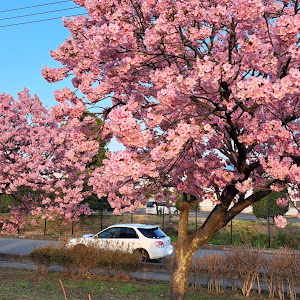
x,y
245,185
39,154
204,97
282,202
280,221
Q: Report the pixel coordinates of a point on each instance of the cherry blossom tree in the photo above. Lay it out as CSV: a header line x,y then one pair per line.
x,y
205,99
42,163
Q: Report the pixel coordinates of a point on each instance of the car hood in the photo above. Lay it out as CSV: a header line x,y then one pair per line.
x,y
86,236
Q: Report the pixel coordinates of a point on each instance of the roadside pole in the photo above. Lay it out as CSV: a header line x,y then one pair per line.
x,y
163,217
45,226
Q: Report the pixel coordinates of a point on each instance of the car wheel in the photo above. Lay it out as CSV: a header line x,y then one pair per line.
x,y
79,247
176,212
143,254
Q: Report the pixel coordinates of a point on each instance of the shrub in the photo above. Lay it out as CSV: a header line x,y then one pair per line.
x,y
245,262
43,258
82,258
286,239
281,273
212,268
86,260
104,259
62,256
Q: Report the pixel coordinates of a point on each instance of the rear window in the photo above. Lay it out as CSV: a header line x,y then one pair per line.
x,y
150,204
152,233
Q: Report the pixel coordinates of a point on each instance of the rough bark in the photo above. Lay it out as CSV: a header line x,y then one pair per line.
x,y
188,244
182,257
185,249
180,268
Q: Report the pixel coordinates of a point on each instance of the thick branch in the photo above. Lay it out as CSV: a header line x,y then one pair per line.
x,y
241,205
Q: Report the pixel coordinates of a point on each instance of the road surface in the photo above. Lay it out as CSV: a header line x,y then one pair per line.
x,y
24,246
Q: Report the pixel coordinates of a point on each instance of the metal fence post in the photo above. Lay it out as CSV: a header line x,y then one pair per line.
x,y
196,218
45,226
163,214
230,232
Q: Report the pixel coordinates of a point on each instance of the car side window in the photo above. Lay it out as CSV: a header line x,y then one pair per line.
x,y
110,233
128,233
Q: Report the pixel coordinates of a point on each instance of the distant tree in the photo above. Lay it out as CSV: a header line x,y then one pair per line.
x,y
5,202
94,202
43,164
179,201
8,200
96,130
267,206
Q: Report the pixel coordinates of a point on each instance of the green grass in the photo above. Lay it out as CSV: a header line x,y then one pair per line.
x,y
128,289
26,284
245,236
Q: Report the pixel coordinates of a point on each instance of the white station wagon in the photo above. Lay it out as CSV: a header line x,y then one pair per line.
x,y
148,240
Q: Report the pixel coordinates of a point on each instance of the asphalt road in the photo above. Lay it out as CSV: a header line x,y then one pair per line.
x,y
25,246
22,246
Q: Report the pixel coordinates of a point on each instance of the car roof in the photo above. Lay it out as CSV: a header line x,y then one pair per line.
x,y
135,225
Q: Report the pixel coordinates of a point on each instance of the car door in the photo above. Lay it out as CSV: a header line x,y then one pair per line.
x,y
108,238
129,240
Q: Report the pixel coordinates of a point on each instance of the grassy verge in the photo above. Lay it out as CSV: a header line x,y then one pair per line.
x,y
255,233
24,284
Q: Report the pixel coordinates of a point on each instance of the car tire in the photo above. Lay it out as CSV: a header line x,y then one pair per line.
x,y
143,254
176,212
79,247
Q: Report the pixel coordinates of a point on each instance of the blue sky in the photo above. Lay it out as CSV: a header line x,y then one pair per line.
x,y
25,48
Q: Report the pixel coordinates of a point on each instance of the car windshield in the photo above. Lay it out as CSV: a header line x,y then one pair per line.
x,y
150,204
153,233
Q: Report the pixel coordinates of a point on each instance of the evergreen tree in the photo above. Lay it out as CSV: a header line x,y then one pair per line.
x,y
95,203
268,207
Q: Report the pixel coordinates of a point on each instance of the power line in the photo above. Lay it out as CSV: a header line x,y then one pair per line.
x,y
3,11
40,13
37,21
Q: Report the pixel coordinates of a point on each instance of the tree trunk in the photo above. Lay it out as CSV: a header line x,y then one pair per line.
x,y
188,244
182,257
180,267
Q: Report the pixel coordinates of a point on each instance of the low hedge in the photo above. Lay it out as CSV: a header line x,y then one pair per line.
x,y
86,260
